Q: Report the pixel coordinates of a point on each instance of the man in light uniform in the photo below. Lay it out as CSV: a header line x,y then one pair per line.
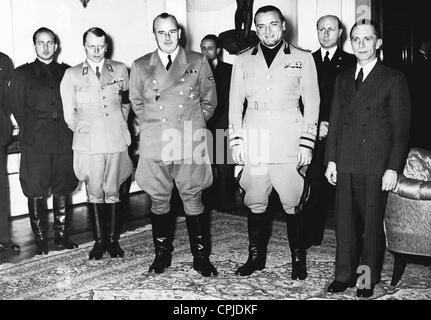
x,y
96,105
173,93
274,139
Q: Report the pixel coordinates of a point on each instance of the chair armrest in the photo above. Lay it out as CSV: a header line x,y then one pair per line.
x,y
413,189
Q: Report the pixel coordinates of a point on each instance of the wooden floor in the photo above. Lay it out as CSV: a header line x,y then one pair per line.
x,y
80,228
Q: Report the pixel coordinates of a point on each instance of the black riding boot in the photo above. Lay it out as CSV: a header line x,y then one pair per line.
x,y
162,239
96,217
257,237
112,230
297,247
199,237
38,222
61,222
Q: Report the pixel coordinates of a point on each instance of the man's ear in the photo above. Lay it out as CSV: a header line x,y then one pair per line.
x,y
379,43
218,50
179,33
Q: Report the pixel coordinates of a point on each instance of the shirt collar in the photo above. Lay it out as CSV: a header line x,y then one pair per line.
x,y
331,52
366,69
164,56
99,64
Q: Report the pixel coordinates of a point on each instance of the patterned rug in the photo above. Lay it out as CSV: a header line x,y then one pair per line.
x,y
69,275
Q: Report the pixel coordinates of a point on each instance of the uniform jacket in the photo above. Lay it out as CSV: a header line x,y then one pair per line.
x,y
369,128
96,110
172,106
327,74
273,127
6,69
222,74
34,98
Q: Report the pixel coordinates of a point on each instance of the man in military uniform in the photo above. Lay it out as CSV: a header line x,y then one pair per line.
x,y
46,159
173,93
274,139
6,69
330,60
96,106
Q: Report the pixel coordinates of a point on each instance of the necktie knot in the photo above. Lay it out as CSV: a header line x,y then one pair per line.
x,y
98,74
359,79
169,62
326,60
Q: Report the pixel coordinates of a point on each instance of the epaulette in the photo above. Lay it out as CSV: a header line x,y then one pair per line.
x,y
301,49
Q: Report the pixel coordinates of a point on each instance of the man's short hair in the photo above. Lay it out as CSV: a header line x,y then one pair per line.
x,y
44,29
165,15
266,9
214,38
340,25
96,31
366,22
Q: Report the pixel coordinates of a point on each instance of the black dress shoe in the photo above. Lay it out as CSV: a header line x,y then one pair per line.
x,y
10,246
365,293
337,286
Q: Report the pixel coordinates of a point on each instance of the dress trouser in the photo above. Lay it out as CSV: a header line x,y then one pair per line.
x,y
359,213
4,197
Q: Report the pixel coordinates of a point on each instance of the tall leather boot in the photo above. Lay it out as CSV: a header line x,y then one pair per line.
x,y
162,239
257,247
61,222
297,247
96,218
112,230
199,237
36,211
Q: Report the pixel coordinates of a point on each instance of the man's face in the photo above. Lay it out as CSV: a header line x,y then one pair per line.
x,y
45,46
269,28
209,48
95,47
167,35
328,32
365,44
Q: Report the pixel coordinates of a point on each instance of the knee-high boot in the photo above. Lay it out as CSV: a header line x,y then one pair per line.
x,y
258,239
96,218
36,210
162,239
297,247
61,222
199,237
113,232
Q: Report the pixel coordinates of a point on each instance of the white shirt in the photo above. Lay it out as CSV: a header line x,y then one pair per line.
x,y
366,69
99,64
164,56
331,52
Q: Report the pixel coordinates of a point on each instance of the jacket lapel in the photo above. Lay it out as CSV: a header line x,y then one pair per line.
x,y
88,73
107,72
177,70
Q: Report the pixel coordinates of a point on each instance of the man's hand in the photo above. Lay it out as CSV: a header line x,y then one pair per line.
x,y
331,173
238,154
389,180
323,129
304,156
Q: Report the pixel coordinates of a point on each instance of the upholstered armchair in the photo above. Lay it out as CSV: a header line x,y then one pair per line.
x,y
408,212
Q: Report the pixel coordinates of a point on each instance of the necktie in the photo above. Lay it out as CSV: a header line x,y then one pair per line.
x,y
326,60
359,79
169,62
98,72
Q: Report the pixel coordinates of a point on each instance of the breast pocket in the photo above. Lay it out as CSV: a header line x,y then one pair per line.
x,y
82,94
250,82
292,79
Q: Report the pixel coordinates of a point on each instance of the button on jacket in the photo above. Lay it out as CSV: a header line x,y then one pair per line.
x,y
93,108
34,98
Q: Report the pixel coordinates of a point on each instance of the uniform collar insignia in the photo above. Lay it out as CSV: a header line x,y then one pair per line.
x,y
109,67
191,71
84,71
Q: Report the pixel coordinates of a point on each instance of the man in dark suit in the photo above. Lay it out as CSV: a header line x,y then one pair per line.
x,y
46,165
6,69
330,61
366,147
221,195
